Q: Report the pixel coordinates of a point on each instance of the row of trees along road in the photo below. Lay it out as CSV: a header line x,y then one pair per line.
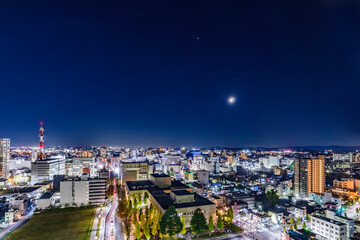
x,y
143,221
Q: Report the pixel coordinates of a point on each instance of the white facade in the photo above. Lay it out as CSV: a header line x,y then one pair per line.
x,y
203,177
327,197
270,161
349,222
83,191
4,157
78,164
46,169
328,228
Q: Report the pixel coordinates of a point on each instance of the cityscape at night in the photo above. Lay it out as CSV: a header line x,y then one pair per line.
x,y
180,120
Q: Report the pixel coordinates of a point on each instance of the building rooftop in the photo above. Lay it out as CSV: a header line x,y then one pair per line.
x,y
297,236
165,200
28,189
182,193
328,220
139,185
47,195
159,175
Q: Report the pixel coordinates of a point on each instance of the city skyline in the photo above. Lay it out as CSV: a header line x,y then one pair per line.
x,y
140,74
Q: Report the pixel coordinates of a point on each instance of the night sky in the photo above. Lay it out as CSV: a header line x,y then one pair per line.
x,y
159,73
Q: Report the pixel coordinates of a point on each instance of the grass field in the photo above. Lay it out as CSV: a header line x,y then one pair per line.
x,y
57,224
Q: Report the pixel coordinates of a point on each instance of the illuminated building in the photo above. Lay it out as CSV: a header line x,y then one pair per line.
x,y
77,165
350,184
134,171
309,176
4,157
328,228
44,170
83,190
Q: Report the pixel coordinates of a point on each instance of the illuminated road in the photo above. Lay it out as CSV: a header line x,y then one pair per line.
x,y
255,231
16,225
113,230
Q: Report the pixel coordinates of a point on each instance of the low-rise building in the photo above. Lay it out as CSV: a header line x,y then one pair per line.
x,y
12,215
328,228
349,222
19,202
163,193
46,200
322,199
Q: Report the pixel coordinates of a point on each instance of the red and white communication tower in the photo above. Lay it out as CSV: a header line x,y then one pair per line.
x,y
41,150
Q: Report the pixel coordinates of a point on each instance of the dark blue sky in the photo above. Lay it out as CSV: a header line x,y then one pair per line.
x,y
158,73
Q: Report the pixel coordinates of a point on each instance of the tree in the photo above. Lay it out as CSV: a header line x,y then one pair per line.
x,y
147,231
183,230
198,222
137,231
110,191
130,205
143,222
345,215
145,198
291,228
127,227
284,229
135,202
155,225
219,223
291,220
123,210
230,215
299,220
170,222
147,213
304,225
308,217
272,196
295,226
211,224
357,210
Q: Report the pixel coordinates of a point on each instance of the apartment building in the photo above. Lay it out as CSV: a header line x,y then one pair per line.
x,y
328,228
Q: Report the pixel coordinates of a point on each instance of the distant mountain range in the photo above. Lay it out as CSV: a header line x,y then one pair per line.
x,y
335,148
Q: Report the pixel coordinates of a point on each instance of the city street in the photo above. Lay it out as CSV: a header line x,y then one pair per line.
x,y
253,230
16,225
113,230
100,214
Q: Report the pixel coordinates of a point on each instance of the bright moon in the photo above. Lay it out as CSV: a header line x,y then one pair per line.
x,y
231,100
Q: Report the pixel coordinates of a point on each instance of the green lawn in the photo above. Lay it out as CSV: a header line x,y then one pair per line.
x,y
57,224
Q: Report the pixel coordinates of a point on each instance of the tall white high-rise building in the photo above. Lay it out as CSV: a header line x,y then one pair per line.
x,y
4,157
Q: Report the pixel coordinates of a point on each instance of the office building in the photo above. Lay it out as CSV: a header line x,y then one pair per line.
x,y
132,170
83,191
78,166
4,157
309,176
45,169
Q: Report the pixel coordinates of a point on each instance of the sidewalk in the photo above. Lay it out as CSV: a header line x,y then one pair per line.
x,y
95,224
